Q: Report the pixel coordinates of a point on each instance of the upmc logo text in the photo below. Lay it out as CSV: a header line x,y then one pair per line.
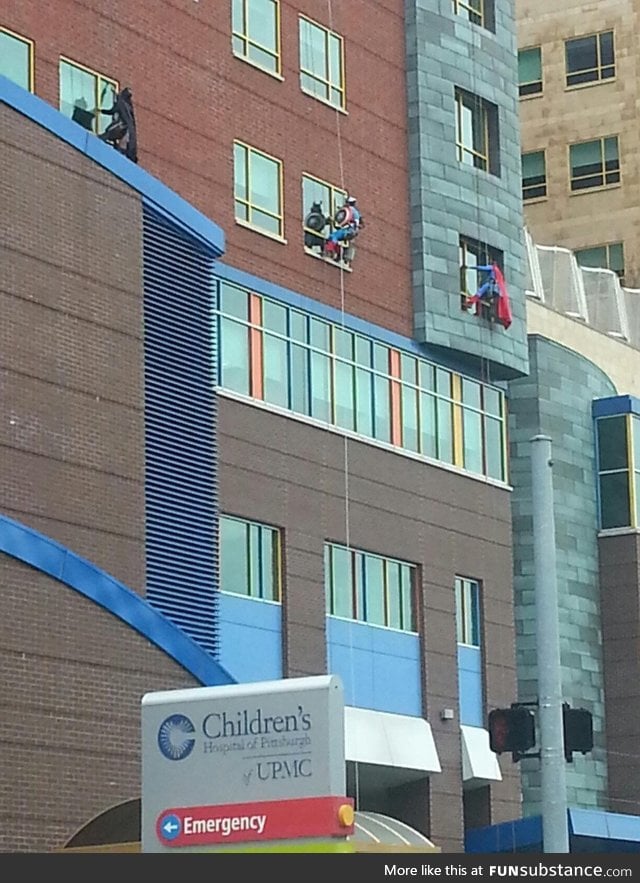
x,y
177,734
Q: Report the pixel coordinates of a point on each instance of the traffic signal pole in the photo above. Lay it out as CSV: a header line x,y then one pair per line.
x,y
555,832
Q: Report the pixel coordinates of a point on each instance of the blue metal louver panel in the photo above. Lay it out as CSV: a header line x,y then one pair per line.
x,y
181,495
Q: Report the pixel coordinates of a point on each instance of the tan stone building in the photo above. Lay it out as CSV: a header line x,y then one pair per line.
x,y
579,92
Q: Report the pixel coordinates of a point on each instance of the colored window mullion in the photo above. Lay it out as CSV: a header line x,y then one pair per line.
x,y
255,347
458,441
396,406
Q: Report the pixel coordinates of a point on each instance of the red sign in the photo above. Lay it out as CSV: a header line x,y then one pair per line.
x,y
267,820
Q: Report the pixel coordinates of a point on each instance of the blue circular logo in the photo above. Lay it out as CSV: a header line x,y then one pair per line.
x,y
175,739
169,827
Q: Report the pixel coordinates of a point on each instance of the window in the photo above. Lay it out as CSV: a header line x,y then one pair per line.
x,y
594,163
258,190
249,559
590,59
474,254
282,356
476,132
82,92
330,198
369,588
610,257
530,71
256,33
613,472
322,63
468,611
473,10
534,175
16,59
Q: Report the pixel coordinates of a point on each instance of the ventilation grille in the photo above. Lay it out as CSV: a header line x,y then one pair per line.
x,y
181,498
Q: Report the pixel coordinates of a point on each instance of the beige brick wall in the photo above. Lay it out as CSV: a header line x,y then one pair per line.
x,y
561,116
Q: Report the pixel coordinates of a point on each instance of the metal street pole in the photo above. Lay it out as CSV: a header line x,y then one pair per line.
x,y
555,831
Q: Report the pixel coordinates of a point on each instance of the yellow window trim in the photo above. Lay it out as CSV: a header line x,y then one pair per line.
x,y
277,54
341,86
249,150
32,53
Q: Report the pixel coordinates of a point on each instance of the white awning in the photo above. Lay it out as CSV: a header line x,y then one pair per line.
x,y
390,740
479,763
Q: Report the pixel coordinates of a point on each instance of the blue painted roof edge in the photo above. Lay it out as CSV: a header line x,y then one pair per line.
x,y
153,191
613,406
50,557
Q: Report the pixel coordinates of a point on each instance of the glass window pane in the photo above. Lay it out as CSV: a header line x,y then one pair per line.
x,y
426,372
612,443
255,564
616,257
320,334
274,317
269,559
233,301
240,172
586,155
471,393
343,343
472,440
611,152
298,326
494,450
363,351
410,418
382,424
406,588
234,563
78,95
428,440
234,356
344,395
394,619
381,358
359,581
459,611
364,402
374,590
492,401
300,379
262,23
312,49
341,582
445,431
533,165
15,60
606,49
320,387
409,369
265,184
276,374
474,614
592,257
581,54
443,382
615,508
529,65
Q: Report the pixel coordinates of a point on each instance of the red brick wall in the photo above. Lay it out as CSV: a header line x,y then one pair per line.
x,y
192,98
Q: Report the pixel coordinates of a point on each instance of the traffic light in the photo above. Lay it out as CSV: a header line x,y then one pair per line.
x,y
512,729
577,726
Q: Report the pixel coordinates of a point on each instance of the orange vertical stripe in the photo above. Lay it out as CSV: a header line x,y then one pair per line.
x,y
255,347
396,410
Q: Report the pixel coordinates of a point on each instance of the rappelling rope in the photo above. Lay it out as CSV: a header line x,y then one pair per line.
x,y
347,520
